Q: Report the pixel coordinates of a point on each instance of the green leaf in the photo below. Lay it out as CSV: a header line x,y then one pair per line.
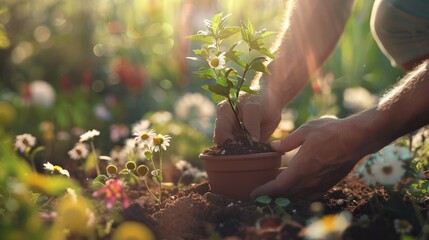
x,y
266,52
219,89
50,185
250,27
234,56
282,202
228,32
207,73
36,150
90,162
265,199
260,67
218,98
234,46
148,155
222,81
267,34
247,89
201,38
215,22
231,72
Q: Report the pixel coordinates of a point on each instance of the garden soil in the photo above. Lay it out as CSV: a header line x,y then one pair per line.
x,y
193,212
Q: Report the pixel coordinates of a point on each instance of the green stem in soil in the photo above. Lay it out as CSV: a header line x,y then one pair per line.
x,y
150,192
97,168
160,173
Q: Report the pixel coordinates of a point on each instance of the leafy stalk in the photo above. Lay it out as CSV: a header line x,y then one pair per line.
x,y
226,87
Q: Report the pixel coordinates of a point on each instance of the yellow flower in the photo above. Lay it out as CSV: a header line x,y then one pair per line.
x,y
133,230
217,62
75,215
328,227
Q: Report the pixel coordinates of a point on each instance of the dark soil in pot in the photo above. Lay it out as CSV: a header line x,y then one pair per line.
x,y
239,145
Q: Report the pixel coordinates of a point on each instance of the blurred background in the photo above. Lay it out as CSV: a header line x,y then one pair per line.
x,y
71,66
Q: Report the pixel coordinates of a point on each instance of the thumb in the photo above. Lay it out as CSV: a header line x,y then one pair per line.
x,y
290,142
252,119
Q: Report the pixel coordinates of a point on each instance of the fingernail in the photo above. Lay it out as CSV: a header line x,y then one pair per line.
x,y
275,144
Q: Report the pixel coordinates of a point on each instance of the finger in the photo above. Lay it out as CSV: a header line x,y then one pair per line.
x,y
290,142
252,120
224,123
279,186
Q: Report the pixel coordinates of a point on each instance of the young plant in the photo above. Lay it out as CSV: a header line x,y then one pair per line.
x,y
279,205
154,144
230,79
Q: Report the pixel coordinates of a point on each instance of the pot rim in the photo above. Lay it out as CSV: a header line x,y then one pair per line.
x,y
239,156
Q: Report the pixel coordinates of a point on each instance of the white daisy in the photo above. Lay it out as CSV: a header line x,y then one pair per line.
x,y
141,126
89,135
144,137
161,117
160,141
54,168
197,109
397,152
42,94
182,165
79,151
48,166
388,171
24,140
402,226
328,226
217,62
368,175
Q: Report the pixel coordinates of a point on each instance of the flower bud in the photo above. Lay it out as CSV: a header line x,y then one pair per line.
x,y
111,169
142,170
130,165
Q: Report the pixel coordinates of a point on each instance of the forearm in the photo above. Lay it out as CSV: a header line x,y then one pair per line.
x,y
402,110
311,31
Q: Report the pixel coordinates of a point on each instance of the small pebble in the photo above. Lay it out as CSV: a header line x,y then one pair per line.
x,y
340,202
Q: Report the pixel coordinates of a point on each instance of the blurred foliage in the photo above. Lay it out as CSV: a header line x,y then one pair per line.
x,y
113,62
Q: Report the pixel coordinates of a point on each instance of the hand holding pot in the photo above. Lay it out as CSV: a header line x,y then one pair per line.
x,y
329,150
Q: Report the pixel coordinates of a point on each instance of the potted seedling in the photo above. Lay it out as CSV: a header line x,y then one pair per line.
x,y
234,175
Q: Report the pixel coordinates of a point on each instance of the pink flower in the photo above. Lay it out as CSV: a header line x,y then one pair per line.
x,y
113,191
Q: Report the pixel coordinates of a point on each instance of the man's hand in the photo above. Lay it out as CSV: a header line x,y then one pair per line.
x,y
330,148
260,114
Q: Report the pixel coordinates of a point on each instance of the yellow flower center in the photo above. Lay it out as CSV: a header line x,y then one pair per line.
x,y
214,62
144,136
328,223
157,141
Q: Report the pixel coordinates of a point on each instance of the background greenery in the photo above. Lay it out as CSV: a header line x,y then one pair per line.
x,y
127,57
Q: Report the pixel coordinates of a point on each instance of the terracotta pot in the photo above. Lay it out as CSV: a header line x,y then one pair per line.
x,y
236,176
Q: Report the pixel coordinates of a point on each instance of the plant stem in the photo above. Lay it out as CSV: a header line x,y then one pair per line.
x,y
150,192
33,165
95,158
240,123
160,173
